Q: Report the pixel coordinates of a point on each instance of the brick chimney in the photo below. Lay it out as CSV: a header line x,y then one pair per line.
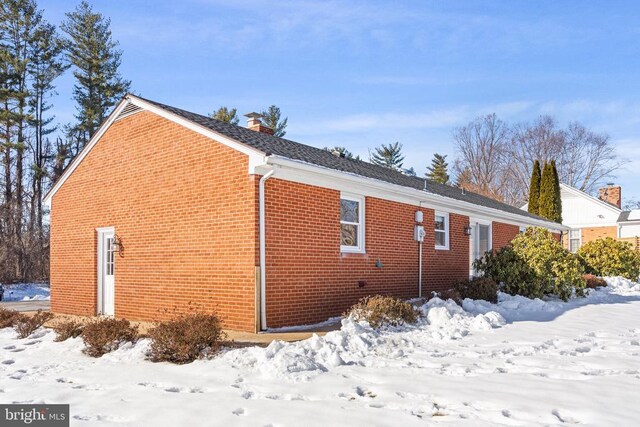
x,y
254,123
611,194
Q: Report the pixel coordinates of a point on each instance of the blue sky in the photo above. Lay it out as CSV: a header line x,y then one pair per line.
x,y
361,73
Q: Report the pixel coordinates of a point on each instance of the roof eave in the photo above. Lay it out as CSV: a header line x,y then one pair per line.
x,y
418,195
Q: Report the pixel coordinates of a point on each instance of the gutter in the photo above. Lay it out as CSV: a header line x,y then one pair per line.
x,y
263,251
438,201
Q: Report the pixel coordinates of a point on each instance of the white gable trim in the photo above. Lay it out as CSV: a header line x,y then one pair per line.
x,y
256,157
589,197
83,153
225,140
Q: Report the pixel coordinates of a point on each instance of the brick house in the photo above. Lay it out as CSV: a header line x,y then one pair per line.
x,y
589,218
166,211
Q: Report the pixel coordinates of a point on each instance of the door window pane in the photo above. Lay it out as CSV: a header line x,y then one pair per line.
x,y
110,257
483,239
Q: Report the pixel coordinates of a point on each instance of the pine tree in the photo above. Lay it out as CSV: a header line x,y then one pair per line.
x,y
463,180
390,156
96,59
534,189
30,60
409,171
438,171
271,118
342,152
225,114
19,23
47,65
556,213
546,200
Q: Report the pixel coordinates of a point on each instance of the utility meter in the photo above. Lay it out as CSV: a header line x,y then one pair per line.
x,y
419,233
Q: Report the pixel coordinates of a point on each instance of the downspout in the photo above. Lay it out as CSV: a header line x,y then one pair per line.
x,y
263,252
420,253
420,269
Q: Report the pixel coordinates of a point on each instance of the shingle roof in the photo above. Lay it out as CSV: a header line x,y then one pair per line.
x,y
270,144
626,216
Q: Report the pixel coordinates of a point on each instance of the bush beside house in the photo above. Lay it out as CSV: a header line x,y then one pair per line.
x,y
66,329
534,265
380,310
106,335
484,288
8,318
610,257
25,324
185,339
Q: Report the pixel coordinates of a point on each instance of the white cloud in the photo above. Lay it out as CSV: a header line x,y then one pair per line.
x,y
363,25
434,119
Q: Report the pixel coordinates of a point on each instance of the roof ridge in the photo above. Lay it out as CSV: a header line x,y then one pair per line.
x,y
293,150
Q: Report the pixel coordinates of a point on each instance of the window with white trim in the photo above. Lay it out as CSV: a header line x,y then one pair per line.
x,y
351,223
574,240
441,230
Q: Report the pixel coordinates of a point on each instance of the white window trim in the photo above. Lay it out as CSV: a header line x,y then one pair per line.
x,y
360,249
446,230
579,238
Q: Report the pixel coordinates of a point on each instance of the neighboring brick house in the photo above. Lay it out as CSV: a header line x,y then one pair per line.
x,y
167,211
590,218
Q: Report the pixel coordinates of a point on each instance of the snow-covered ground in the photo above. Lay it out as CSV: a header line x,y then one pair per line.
x,y
517,363
26,292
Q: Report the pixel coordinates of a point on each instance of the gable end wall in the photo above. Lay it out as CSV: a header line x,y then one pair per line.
x,y
186,211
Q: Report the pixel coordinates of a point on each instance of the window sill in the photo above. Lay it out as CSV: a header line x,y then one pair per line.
x,y
442,248
357,254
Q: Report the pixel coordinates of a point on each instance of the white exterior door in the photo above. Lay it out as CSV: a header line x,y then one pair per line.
x,y
106,272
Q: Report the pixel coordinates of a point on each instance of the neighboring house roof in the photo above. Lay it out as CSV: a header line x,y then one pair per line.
x,y
629,216
270,144
249,140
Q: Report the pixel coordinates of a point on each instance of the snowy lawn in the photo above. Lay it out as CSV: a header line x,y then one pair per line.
x,y
517,363
26,292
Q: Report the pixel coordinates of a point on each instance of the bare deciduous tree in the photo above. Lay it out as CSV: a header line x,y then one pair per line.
x,y
587,158
498,158
482,147
530,142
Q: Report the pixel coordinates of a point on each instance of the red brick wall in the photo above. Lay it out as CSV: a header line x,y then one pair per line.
x,y
503,234
185,208
309,280
442,268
